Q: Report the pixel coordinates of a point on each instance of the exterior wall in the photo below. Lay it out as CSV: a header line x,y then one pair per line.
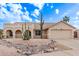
x,y
44,34
35,26
77,33
17,26
7,27
60,26
21,26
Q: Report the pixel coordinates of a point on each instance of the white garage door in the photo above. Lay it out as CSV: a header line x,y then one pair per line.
x,y
61,34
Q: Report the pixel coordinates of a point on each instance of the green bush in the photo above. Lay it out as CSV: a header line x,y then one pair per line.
x,y
26,35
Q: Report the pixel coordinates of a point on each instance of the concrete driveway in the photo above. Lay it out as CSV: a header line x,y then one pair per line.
x,y
72,43
60,53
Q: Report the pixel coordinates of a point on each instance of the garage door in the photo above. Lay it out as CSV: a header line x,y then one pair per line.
x,y
61,34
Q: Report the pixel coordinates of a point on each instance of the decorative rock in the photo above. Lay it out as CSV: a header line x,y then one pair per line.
x,y
47,50
32,48
19,51
27,53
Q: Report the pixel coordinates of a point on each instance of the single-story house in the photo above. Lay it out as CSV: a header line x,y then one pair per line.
x,y
50,30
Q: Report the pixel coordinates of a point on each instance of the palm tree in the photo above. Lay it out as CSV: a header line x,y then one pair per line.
x,y
66,19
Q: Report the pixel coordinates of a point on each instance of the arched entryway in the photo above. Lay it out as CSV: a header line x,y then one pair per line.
x,y
18,34
75,34
9,34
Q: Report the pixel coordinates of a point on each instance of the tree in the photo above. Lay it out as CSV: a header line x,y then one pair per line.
x,y
41,24
1,33
66,19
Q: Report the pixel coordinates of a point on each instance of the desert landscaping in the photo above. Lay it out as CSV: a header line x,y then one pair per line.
x,y
19,47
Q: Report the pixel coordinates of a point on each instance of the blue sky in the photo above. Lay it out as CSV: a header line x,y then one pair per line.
x,y
29,12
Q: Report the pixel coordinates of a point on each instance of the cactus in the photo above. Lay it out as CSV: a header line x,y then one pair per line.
x,y
41,24
26,35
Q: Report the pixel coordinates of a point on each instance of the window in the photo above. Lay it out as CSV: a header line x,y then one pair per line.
x,y
37,32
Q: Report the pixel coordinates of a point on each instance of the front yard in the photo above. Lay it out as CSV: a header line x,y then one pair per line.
x,y
29,47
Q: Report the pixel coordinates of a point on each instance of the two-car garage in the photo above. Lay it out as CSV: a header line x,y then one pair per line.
x,y
61,30
61,34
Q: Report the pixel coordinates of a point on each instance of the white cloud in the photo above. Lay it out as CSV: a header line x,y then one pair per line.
x,y
69,11
27,18
38,5
47,4
52,6
25,8
35,13
19,12
15,7
15,15
26,13
1,15
77,13
77,17
9,16
76,23
37,21
4,10
3,4
57,11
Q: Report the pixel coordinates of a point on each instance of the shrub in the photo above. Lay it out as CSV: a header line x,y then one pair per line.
x,y
26,35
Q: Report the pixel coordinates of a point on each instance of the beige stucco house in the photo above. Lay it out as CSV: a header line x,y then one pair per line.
x,y
15,30
62,30
50,30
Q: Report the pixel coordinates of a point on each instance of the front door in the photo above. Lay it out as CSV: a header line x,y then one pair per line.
x,y
75,34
